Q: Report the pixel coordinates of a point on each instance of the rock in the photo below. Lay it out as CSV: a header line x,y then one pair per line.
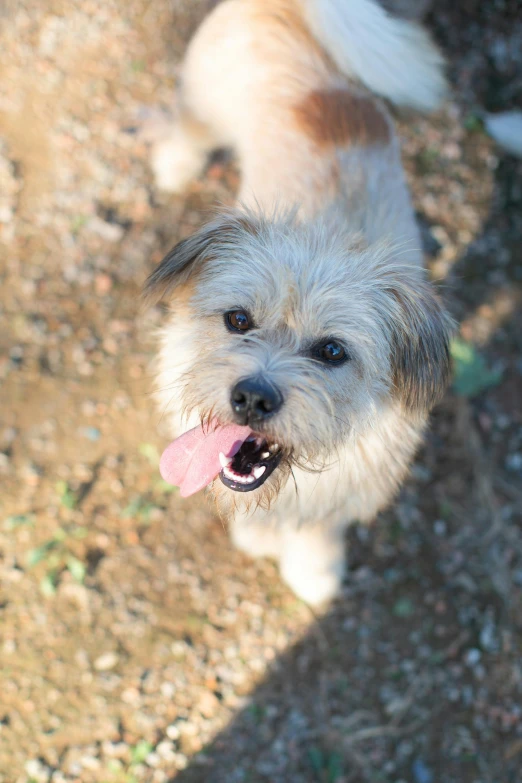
x,y
91,433
102,283
506,129
440,528
421,772
166,751
208,704
473,656
514,462
110,232
106,662
172,732
37,771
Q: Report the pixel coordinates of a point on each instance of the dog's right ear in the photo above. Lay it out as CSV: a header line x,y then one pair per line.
x,y
185,259
188,256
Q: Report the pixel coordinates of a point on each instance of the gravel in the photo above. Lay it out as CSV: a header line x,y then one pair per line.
x,y
136,644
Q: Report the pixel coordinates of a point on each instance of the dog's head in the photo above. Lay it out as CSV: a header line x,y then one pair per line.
x,y
299,337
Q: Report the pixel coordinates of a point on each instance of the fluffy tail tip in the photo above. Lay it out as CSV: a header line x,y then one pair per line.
x,y
395,58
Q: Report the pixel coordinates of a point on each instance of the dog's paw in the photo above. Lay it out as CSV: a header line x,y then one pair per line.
x,y
175,162
313,561
313,587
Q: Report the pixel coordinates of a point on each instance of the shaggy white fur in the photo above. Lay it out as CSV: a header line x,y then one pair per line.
x,y
323,247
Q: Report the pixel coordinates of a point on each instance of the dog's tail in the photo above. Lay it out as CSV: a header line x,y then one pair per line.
x,y
393,57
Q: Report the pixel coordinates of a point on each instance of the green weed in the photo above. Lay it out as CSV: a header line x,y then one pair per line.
x,y
471,375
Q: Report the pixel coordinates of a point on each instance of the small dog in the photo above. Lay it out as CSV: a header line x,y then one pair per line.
x,y
305,347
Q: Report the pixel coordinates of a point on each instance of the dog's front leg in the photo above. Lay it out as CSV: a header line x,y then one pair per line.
x,y
312,560
257,537
311,555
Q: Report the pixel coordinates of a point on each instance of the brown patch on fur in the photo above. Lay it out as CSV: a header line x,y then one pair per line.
x,y
340,118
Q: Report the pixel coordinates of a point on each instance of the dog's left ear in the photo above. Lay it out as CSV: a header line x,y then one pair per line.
x,y
420,357
188,256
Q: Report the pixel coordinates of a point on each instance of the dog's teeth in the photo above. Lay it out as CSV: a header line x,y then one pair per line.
x,y
274,447
240,478
224,461
265,455
258,471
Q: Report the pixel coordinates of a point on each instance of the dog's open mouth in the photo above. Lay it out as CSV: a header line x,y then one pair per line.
x,y
251,465
242,459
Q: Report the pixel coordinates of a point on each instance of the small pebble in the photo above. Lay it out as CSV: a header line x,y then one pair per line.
x,y
208,704
421,772
106,662
111,232
173,732
37,771
153,759
102,283
168,689
440,528
90,762
180,761
91,433
130,696
514,462
166,750
473,656
8,435
488,637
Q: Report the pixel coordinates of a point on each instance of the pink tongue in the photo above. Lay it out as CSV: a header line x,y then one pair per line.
x,y
192,460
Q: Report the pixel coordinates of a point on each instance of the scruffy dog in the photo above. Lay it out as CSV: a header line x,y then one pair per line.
x,y
305,346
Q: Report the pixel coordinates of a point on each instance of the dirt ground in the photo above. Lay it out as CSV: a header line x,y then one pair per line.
x,y
135,643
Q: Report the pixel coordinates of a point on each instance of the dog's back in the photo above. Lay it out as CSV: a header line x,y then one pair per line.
x,y
244,43
290,85
258,69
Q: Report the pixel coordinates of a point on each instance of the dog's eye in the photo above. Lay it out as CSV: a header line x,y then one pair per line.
x,y
237,321
331,352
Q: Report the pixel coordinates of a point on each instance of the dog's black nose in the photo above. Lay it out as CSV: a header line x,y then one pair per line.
x,y
253,400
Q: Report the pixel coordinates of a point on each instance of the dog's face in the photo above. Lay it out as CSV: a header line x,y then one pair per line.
x,y
302,335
